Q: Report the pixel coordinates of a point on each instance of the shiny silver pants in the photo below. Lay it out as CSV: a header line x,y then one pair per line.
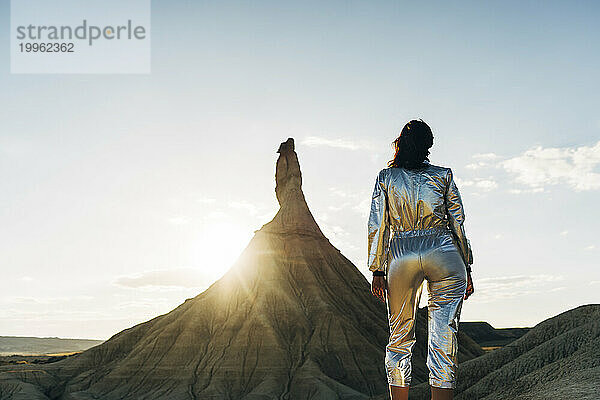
x,y
415,256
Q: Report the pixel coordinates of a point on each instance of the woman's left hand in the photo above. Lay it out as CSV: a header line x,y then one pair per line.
x,y
378,287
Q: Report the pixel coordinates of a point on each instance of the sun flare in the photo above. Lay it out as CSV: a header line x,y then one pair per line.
x,y
219,245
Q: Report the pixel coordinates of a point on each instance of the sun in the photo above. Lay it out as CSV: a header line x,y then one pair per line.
x,y
218,246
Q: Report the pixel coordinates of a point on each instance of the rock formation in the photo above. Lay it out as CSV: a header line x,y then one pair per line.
x,y
487,336
557,359
292,319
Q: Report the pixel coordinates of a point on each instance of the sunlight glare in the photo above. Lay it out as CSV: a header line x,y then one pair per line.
x,y
219,245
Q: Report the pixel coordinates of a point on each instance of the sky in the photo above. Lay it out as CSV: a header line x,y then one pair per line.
x,y
122,195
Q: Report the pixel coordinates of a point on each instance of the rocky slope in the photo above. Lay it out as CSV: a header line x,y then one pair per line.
x,y
557,359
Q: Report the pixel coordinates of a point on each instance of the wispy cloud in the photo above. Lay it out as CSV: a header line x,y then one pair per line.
x,y
486,156
483,160
363,207
484,184
359,202
47,300
250,208
338,207
341,193
334,230
176,277
79,308
506,287
44,308
542,166
538,168
519,191
348,144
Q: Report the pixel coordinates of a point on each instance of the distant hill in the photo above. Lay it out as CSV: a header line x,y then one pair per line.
x,y
43,345
487,336
557,359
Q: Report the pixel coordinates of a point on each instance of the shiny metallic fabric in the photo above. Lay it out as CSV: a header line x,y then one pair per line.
x,y
405,200
416,233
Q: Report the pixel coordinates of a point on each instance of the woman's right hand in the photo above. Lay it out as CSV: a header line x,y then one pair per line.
x,y
470,288
378,287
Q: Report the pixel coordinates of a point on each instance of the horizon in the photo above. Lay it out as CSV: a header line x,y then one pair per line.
x,y
127,194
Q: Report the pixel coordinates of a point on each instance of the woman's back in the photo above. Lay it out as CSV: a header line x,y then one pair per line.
x,y
407,200
416,197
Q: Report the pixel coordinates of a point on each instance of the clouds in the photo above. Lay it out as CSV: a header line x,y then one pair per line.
x,y
35,307
508,287
347,144
482,160
177,277
532,171
356,201
538,168
484,184
575,166
109,310
251,209
191,214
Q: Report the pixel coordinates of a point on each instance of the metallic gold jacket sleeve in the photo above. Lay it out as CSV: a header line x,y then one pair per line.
x,y
378,226
470,252
456,218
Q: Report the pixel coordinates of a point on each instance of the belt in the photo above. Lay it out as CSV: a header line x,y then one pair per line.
x,y
420,232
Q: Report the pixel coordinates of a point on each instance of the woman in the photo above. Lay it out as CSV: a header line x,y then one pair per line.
x,y
416,232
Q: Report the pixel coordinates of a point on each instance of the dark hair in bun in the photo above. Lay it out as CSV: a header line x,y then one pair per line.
x,y
412,146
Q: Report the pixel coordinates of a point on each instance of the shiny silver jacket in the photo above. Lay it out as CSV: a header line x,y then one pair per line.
x,y
405,200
